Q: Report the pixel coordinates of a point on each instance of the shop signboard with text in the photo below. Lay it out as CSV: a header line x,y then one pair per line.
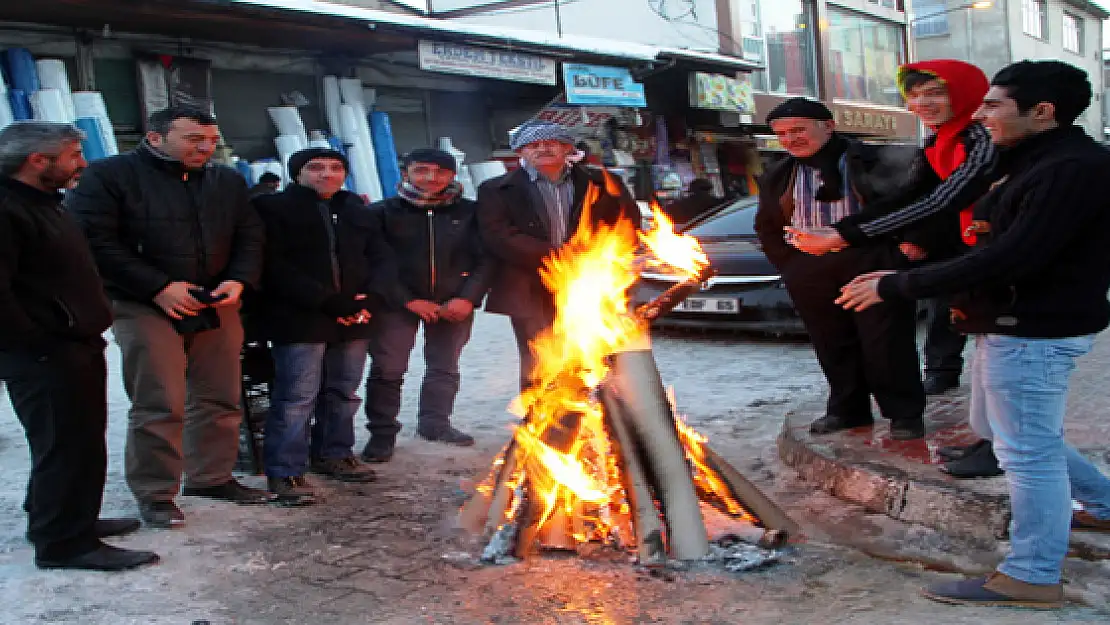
x,y
602,86
452,58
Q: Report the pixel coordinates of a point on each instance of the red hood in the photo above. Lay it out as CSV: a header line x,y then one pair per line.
x,y
967,85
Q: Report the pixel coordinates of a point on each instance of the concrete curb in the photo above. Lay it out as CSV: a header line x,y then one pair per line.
x,y
884,489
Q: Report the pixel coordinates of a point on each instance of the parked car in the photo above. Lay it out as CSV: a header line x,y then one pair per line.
x,y
747,293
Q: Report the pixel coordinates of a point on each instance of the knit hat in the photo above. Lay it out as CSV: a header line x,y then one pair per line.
x,y
532,132
433,156
800,107
299,159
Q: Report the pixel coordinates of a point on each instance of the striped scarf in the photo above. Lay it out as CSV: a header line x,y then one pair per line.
x,y
416,197
810,212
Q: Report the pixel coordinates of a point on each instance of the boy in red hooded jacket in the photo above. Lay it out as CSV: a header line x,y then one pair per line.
x,y
944,94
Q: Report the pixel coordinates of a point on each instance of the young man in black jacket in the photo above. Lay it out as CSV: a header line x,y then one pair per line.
x,y
829,177
177,242
436,277
1034,296
322,247
52,314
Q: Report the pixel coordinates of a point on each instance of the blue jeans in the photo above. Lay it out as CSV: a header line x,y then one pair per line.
x,y
312,380
392,343
1024,386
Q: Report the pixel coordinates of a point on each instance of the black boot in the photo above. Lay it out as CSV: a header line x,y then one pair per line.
x,y
940,383
980,463
955,452
909,430
447,435
379,449
103,558
834,423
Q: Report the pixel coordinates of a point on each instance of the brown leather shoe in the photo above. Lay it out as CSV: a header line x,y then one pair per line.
x,y
1086,522
998,590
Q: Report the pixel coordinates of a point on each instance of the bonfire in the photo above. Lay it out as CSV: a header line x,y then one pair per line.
x,y
599,455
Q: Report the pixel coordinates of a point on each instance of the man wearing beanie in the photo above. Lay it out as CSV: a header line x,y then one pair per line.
x,y
322,248
829,177
176,242
528,213
435,276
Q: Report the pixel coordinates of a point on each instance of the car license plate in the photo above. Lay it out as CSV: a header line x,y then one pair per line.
x,y
722,305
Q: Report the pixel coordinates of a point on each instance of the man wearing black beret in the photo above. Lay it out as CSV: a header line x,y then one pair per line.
x,y
826,178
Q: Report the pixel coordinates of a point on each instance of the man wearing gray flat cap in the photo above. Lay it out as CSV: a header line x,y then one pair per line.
x,y
528,213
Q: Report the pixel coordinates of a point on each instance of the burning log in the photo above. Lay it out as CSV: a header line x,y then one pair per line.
x,y
650,545
667,300
769,514
636,381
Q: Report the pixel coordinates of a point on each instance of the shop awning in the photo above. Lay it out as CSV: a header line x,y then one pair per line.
x,y
517,39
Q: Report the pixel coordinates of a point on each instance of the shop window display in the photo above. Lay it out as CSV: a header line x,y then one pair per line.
x,y
864,55
788,27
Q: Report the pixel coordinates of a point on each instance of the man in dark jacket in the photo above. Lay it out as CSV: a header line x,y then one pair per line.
x,y
268,183
52,314
1035,296
528,213
436,276
321,249
826,178
176,241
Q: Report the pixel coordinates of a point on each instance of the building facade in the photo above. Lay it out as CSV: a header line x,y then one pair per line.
x,y
1012,30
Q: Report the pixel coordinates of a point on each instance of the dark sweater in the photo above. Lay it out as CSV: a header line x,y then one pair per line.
x,y
49,288
1045,270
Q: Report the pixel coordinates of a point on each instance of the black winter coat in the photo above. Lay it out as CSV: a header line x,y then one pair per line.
x,y
515,232
150,222
435,252
882,184
298,274
49,288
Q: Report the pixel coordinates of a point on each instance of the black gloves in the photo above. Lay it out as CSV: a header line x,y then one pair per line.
x,y
341,306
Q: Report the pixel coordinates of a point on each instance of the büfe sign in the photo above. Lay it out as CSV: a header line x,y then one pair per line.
x,y
602,86
450,58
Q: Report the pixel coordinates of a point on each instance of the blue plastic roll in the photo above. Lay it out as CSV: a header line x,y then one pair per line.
x,y
21,104
385,152
337,144
20,66
244,168
93,145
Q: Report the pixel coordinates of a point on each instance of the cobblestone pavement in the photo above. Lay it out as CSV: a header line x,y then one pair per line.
x,y
387,552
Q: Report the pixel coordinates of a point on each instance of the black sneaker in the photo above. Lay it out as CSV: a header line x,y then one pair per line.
x,y
907,430
940,384
103,558
447,435
379,449
980,463
955,452
349,469
231,491
291,491
162,514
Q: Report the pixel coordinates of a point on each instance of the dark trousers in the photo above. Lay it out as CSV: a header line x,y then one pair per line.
x,y
526,329
394,335
944,347
865,354
60,397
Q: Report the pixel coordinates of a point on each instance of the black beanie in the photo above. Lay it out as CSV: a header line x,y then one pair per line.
x,y
298,160
800,107
433,156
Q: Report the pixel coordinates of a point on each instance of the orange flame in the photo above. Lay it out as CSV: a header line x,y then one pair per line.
x,y
563,445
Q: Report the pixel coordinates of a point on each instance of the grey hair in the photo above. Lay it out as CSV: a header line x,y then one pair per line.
x,y
22,139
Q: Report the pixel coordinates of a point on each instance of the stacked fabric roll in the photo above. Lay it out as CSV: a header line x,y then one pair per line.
x,y
19,66
53,77
93,145
49,105
6,116
385,151
354,120
91,104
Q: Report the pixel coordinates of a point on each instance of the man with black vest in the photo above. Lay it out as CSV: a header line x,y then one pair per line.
x,y
829,177
52,314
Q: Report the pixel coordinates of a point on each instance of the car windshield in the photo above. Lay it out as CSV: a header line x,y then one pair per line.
x,y
735,220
